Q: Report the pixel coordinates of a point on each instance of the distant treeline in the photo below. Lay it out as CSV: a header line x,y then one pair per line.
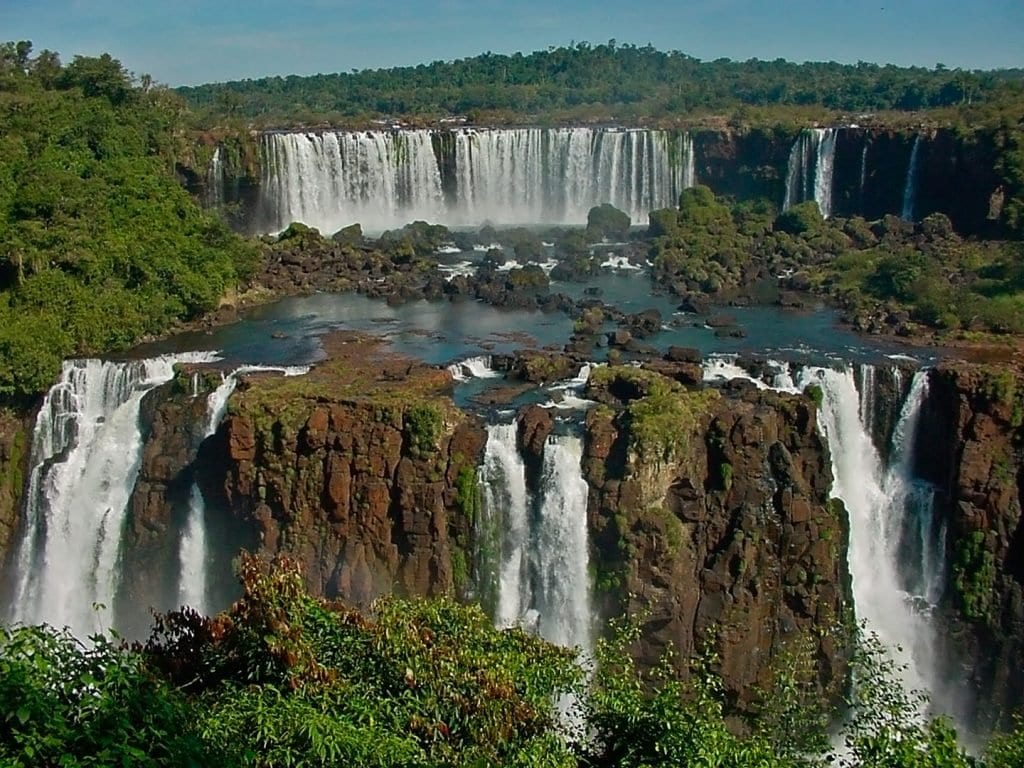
x,y
593,81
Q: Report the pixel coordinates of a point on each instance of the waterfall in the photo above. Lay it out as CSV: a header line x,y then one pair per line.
x,y
823,172
385,179
809,172
192,553
690,163
86,452
215,178
910,187
871,495
867,397
883,504
541,557
913,502
192,550
473,368
863,171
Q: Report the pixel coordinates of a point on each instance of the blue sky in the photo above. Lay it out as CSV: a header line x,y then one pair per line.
x,y
194,41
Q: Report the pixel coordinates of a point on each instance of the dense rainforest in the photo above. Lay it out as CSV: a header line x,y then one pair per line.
x,y
611,81
285,679
99,243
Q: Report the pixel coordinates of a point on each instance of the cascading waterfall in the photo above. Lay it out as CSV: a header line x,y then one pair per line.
x,y
192,555
809,173
384,179
538,547
915,498
192,549
863,170
823,171
870,496
473,368
215,178
883,503
690,163
86,451
910,187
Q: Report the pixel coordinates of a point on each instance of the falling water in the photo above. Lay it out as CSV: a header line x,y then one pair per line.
x,y
823,172
913,500
863,170
867,397
868,492
879,502
505,524
385,179
86,451
215,178
541,562
193,555
473,368
690,163
910,187
810,171
560,549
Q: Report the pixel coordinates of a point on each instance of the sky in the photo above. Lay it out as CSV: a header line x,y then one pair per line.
x,y
184,42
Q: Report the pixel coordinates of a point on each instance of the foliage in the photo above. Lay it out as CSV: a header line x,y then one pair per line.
x,y
974,575
423,424
287,679
605,221
65,703
886,727
656,720
585,80
800,218
99,244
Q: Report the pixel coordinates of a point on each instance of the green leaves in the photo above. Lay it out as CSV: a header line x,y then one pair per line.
x,y
99,243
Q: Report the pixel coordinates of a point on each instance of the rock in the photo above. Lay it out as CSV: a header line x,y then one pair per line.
x,y
644,324
683,355
695,303
715,544
721,321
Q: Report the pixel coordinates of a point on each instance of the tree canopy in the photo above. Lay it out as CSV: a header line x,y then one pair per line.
x,y
99,243
602,80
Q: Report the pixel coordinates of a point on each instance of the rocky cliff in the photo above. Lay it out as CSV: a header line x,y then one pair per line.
x,y
972,449
173,420
362,470
713,522
15,444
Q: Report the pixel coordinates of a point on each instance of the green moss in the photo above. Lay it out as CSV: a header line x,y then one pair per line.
x,y
663,421
467,494
423,424
815,393
974,576
673,528
460,567
725,472
11,477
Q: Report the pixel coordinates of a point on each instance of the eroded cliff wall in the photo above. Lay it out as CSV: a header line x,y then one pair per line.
x,y
713,522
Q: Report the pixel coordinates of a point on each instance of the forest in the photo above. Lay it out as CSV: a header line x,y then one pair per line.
x,y
609,81
285,679
100,246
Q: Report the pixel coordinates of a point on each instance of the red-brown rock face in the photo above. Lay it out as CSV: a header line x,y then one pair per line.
x,y
729,539
351,470
971,448
15,444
